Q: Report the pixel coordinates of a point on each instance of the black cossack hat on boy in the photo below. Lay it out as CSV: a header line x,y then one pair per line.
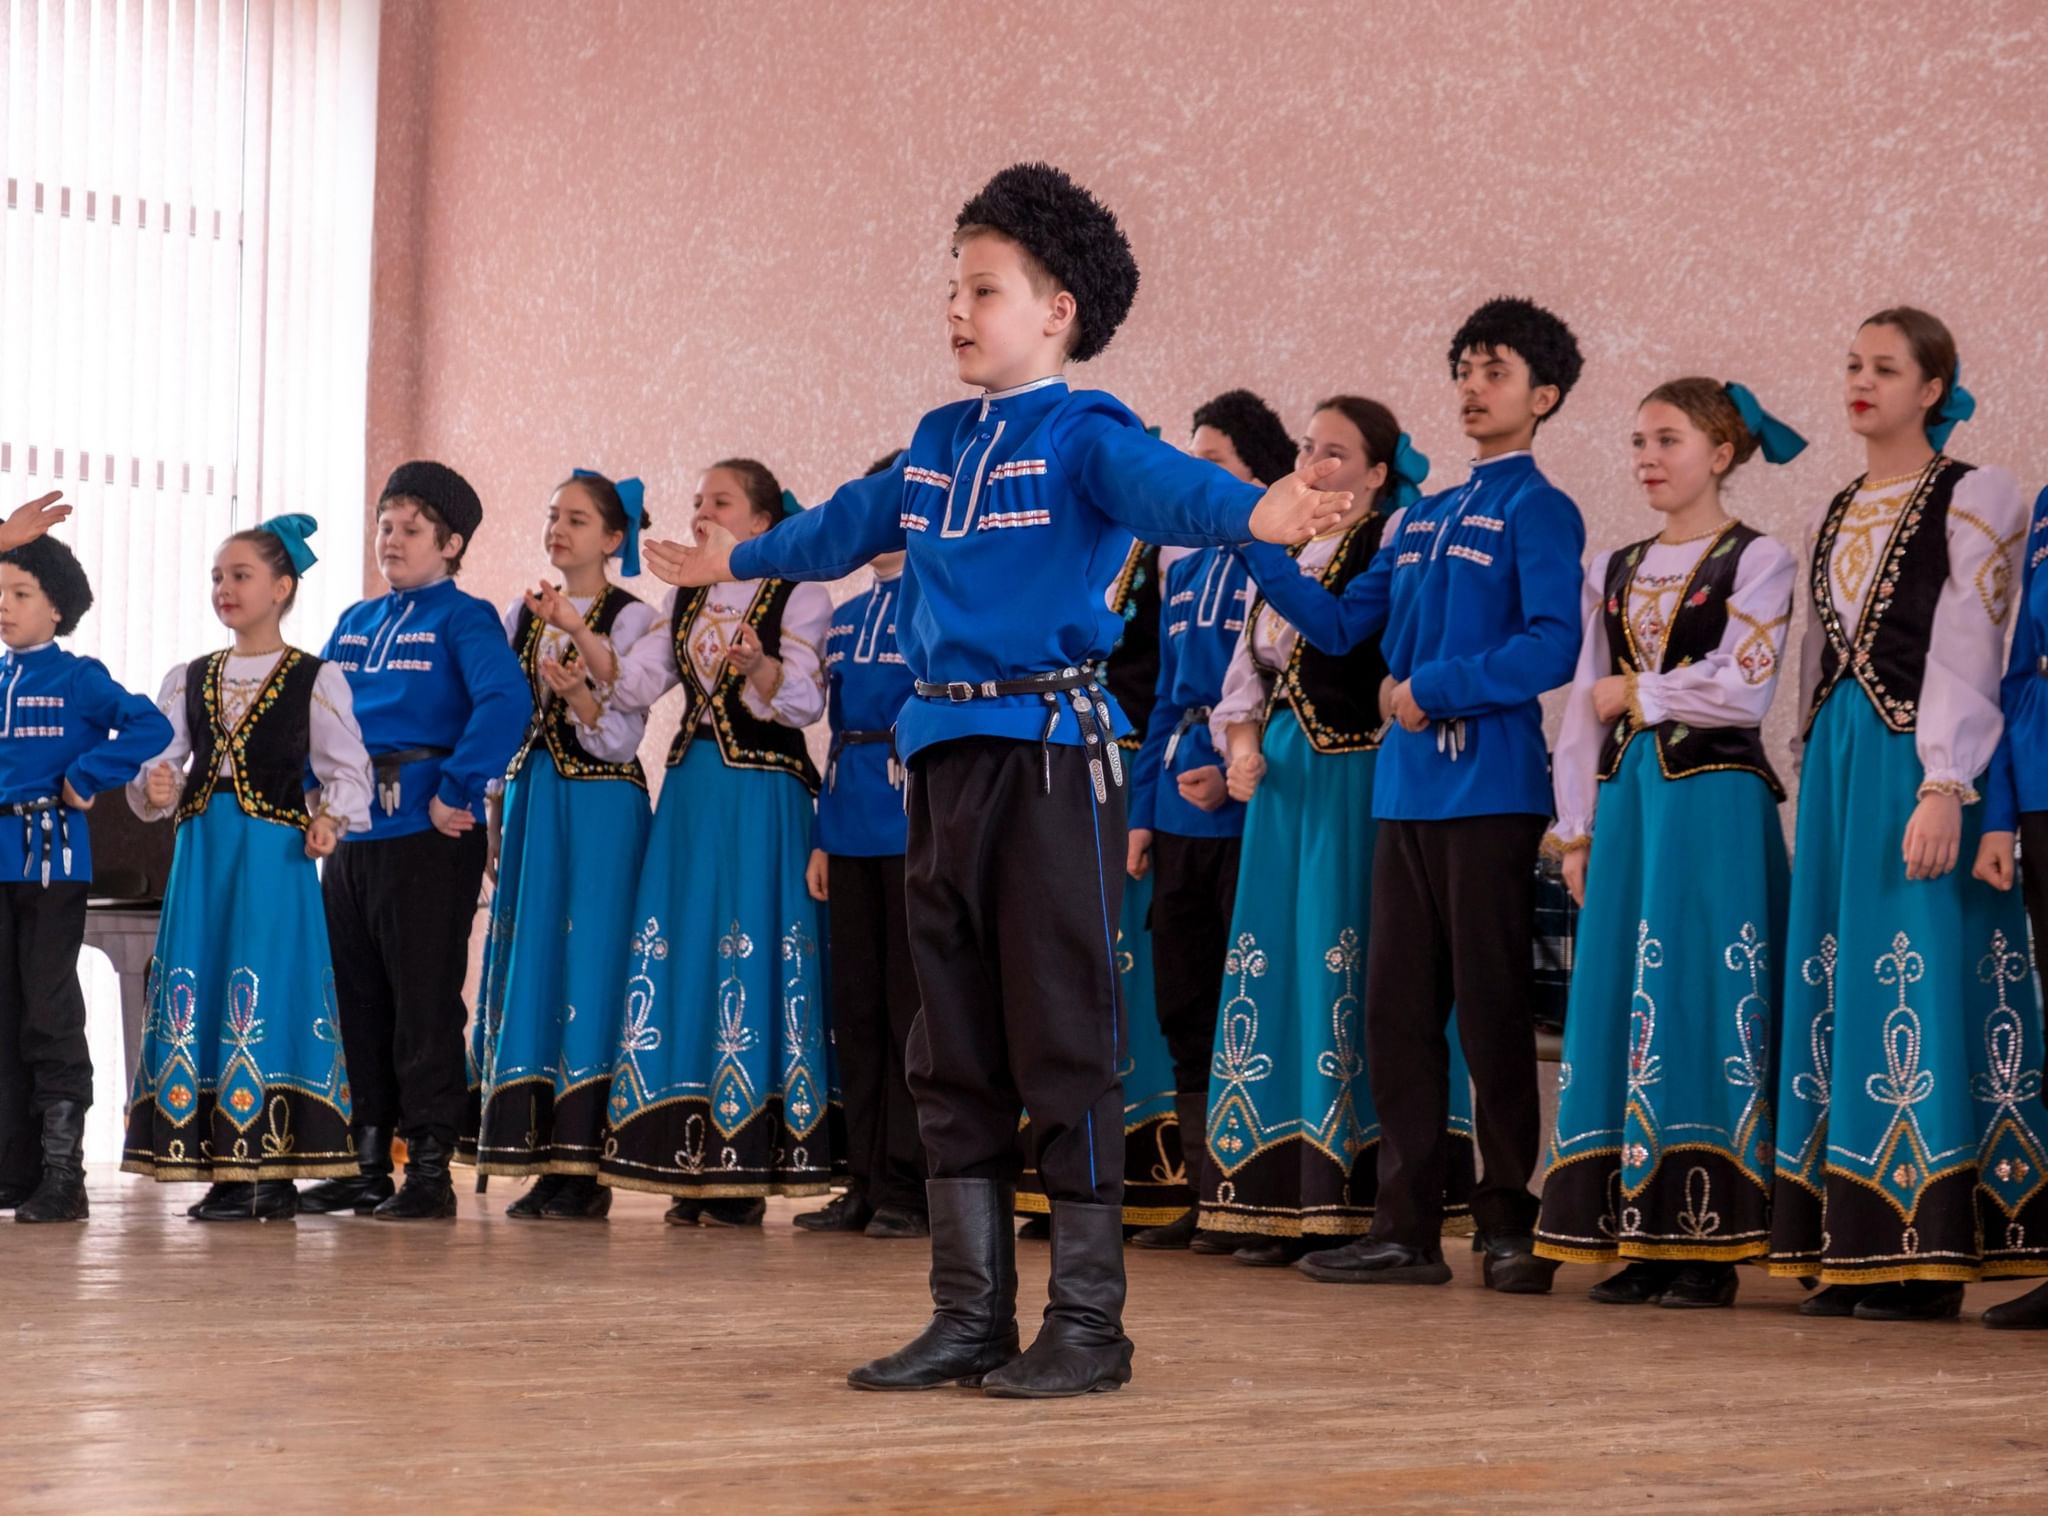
x,y
439,486
1073,234
61,575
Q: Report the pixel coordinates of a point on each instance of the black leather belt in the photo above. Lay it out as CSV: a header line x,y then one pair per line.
x,y
385,767
46,807
842,740
1084,695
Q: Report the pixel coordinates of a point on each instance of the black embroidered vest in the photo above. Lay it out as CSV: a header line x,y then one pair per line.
x,y
1132,668
745,741
552,726
1696,629
1889,654
266,751
1336,697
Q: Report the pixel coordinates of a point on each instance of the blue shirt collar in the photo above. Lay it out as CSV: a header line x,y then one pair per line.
x,y
1025,398
445,582
30,652
1521,458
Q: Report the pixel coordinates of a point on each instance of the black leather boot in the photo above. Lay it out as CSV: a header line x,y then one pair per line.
x,y
845,1212
1834,1300
1912,1300
1190,1110
428,1194
222,1192
1510,1266
579,1197
531,1205
1642,1283
733,1211
895,1222
370,1186
2023,1313
1081,1346
60,1196
265,1200
1701,1287
12,1195
1035,1229
974,1292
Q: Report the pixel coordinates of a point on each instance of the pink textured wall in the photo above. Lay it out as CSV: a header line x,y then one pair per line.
x,y
643,234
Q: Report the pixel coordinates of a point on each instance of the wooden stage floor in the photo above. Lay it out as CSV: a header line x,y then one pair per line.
x,y
493,1366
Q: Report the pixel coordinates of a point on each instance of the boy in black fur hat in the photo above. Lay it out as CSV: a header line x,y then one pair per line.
x,y
74,732
1017,509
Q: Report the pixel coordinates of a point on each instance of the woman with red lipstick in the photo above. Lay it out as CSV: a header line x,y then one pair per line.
x,y
1910,1152
567,833
1661,1153
240,1079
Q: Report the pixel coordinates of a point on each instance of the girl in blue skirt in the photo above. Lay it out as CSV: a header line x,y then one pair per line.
x,y
721,1083
1661,1154
1292,1130
1910,1156
240,1078
567,835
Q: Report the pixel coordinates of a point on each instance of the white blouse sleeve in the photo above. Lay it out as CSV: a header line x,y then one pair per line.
x,y
1733,685
511,622
171,701
647,670
1959,721
616,737
1244,693
1575,761
799,697
340,762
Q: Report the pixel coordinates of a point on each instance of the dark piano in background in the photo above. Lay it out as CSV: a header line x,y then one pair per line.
x,y
131,863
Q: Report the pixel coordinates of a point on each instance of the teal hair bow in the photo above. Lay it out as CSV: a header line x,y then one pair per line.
x,y
1958,406
790,504
1409,470
293,531
1775,440
633,500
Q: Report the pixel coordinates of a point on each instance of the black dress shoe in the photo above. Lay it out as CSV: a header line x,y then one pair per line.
x,y
683,1212
265,1200
12,1195
579,1197
1638,1284
1510,1266
2022,1313
528,1207
894,1222
428,1194
1175,1236
1081,1348
1912,1300
734,1211
362,1192
1273,1252
1701,1287
1834,1300
60,1194
844,1212
225,1192
1035,1229
973,1329
1373,1260
1214,1243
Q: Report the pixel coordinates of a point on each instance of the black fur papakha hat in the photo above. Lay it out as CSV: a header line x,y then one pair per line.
x,y
1073,234
439,486
61,575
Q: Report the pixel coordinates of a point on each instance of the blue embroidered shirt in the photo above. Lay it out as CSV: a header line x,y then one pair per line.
x,y
62,717
2018,780
1017,509
860,809
1201,614
430,668
1474,595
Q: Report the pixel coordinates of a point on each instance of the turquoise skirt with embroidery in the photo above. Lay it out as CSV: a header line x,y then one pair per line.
x,y
240,1075
1910,1122
1155,1178
554,970
721,1081
1662,1147
1293,1133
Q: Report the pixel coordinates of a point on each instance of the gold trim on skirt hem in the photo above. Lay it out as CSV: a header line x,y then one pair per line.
x,y
238,1173
676,1191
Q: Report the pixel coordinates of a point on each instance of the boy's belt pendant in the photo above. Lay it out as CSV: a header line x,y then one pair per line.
x,y
1450,737
388,794
1052,721
64,832
46,847
1116,754
1091,737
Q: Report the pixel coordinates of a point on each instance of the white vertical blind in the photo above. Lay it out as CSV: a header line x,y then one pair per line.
x,y
184,294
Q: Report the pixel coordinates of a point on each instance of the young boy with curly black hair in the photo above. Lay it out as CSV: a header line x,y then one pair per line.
x,y
70,731
1475,596
1018,509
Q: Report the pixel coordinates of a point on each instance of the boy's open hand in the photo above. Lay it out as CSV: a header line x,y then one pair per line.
x,y
709,562
1294,510
31,521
